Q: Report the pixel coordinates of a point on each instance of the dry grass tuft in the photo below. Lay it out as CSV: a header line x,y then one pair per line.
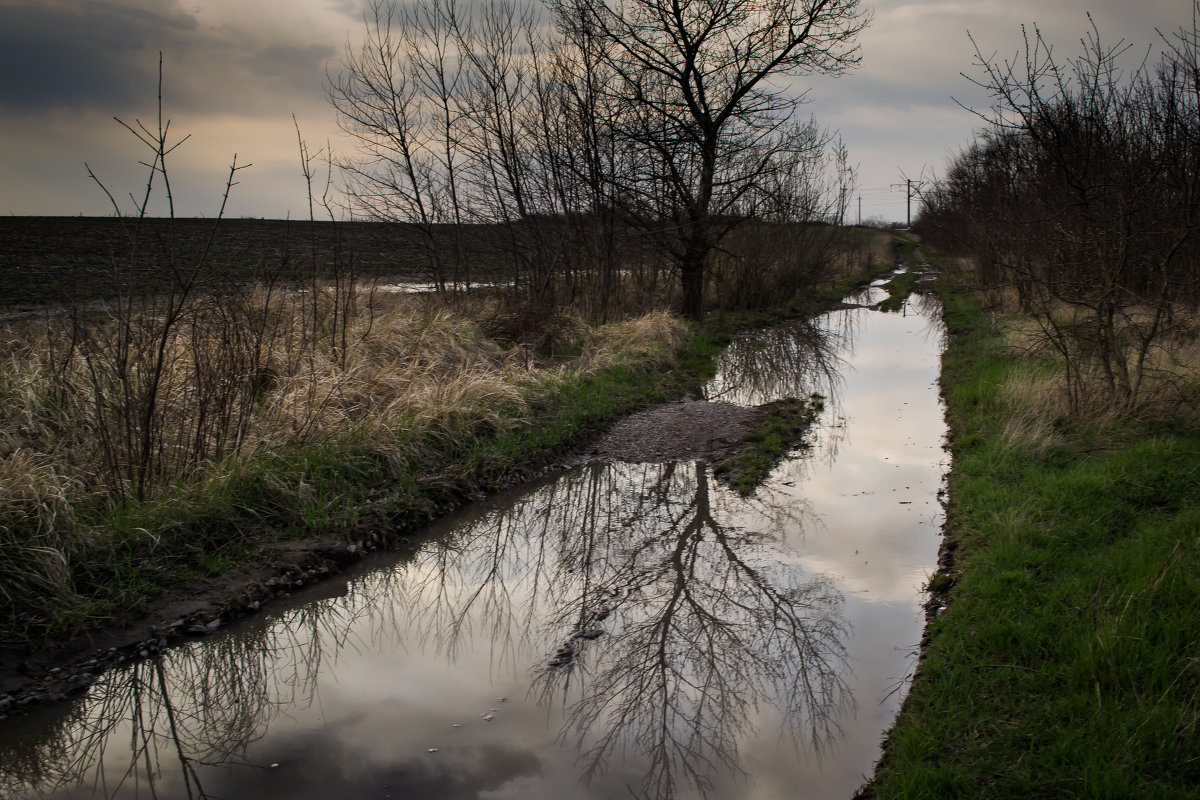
x,y
247,377
652,336
1026,336
35,526
996,299
851,262
1037,402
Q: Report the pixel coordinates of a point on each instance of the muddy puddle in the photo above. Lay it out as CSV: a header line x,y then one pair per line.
x,y
619,630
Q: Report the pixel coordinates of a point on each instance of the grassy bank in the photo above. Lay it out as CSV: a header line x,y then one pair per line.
x,y
783,425
1067,660
898,289
419,409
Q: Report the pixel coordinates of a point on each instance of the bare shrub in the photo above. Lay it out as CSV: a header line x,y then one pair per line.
x,y
226,399
1082,197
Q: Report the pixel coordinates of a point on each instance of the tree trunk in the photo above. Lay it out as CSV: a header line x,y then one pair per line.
x,y
692,270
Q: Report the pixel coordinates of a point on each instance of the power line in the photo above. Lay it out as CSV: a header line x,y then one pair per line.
x,y
911,192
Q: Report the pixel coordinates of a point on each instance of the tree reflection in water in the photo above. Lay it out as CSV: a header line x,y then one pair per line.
x,y
665,629
806,358
706,634
794,361
172,714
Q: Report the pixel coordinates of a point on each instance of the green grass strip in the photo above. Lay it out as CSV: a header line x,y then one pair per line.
x,y
898,289
780,432
1067,662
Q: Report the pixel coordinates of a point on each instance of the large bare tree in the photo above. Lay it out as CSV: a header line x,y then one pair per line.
x,y
709,106
622,146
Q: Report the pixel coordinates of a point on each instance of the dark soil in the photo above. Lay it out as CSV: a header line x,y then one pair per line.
x,y
59,260
197,609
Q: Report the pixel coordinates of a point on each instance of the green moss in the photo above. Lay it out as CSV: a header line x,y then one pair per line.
x,y
898,289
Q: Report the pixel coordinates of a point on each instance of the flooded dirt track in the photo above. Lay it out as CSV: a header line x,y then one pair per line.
x,y
624,629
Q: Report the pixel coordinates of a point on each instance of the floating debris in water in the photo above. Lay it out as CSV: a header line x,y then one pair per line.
x,y
564,656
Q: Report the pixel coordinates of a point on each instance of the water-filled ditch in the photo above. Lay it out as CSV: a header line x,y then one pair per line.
x,y
616,630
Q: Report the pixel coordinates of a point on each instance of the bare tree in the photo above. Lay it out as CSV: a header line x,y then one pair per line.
x,y
380,104
648,126
709,111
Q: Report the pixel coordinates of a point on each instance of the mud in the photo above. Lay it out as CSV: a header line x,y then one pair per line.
x,y
689,430
28,679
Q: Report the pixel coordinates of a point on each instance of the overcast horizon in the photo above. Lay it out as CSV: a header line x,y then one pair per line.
x,y
236,72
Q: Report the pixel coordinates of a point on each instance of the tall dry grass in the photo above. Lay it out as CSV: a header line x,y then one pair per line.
x,y
407,358
1042,409
247,374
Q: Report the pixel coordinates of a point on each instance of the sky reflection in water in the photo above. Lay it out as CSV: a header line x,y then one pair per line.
x,y
623,630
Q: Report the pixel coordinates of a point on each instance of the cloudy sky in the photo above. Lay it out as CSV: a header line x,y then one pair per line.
x,y
235,71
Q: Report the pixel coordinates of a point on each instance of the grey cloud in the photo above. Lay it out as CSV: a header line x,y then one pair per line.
x,y
103,55
884,92
349,8
81,55
287,59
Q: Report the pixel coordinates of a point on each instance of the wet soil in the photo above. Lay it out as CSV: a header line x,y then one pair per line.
x,y
688,430
196,608
685,430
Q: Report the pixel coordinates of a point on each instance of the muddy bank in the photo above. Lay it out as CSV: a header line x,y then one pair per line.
x,y
195,609
685,430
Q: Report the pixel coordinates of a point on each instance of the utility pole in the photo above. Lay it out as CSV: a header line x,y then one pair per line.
x,y
911,192
860,211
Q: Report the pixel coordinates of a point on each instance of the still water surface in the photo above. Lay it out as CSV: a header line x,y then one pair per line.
x,y
619,630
